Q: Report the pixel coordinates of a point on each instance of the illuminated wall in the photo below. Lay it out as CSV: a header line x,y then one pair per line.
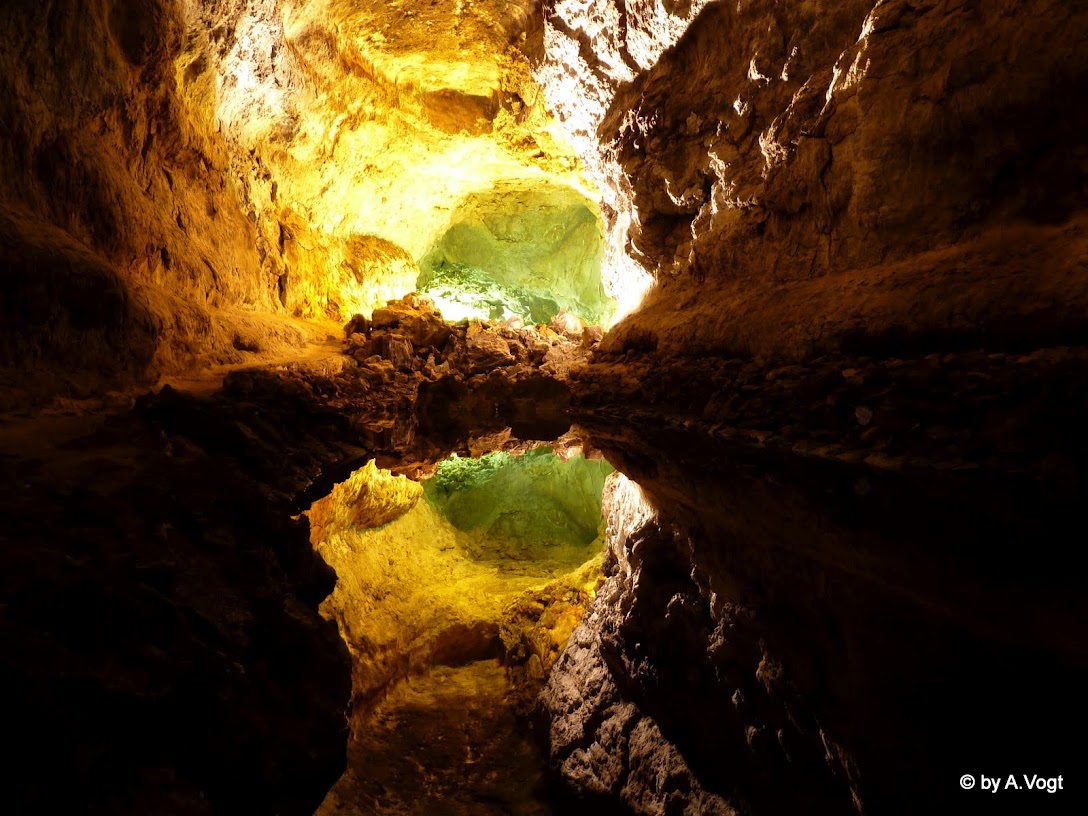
x,y
530,247
446,571
374,141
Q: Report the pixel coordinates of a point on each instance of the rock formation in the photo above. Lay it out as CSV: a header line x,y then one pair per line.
x,y
865,226
799,180
184,180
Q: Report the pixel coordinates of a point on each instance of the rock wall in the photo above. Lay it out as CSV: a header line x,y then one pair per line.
x,y
785,633
159,592
162,649
785,173
866,225
851,399
123,229
188,183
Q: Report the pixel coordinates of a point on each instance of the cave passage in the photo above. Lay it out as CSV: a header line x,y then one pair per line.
x,y
521,249
456,596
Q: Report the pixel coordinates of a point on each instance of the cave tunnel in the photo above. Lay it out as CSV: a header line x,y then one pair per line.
x,y
519,250
543,407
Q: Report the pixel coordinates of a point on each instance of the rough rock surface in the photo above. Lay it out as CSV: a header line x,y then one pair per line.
x,y
447,742
498,560
775,611
185,184
852,396
162,644
854,399
125,245
454,382
603,744
797,176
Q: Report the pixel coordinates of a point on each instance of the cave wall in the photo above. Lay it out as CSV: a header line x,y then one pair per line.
x,y
810,185
784,633
189,183
851,399
546,239
122,226
162,649
793,175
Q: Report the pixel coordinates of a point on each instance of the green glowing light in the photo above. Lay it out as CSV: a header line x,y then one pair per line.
x,y
533,504
520,248
456,473
462,291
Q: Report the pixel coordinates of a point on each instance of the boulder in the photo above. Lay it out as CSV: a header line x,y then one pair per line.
x,y
486,350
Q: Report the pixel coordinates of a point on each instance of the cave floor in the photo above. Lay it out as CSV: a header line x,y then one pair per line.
x,y
320,354
446,742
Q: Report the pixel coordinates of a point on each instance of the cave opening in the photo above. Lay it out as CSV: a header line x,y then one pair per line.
x,y
520,250
455,595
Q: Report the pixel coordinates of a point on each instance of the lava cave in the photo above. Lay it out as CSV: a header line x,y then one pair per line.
x,y
477,408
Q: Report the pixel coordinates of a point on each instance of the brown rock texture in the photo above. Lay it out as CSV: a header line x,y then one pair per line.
x,y
798,176
126,250
429,382
775,611
851,399
186,184
162,646
851,243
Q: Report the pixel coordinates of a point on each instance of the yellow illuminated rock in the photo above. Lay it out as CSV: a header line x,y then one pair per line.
x,y
366,133
452,579
227,183
499,559
369,498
